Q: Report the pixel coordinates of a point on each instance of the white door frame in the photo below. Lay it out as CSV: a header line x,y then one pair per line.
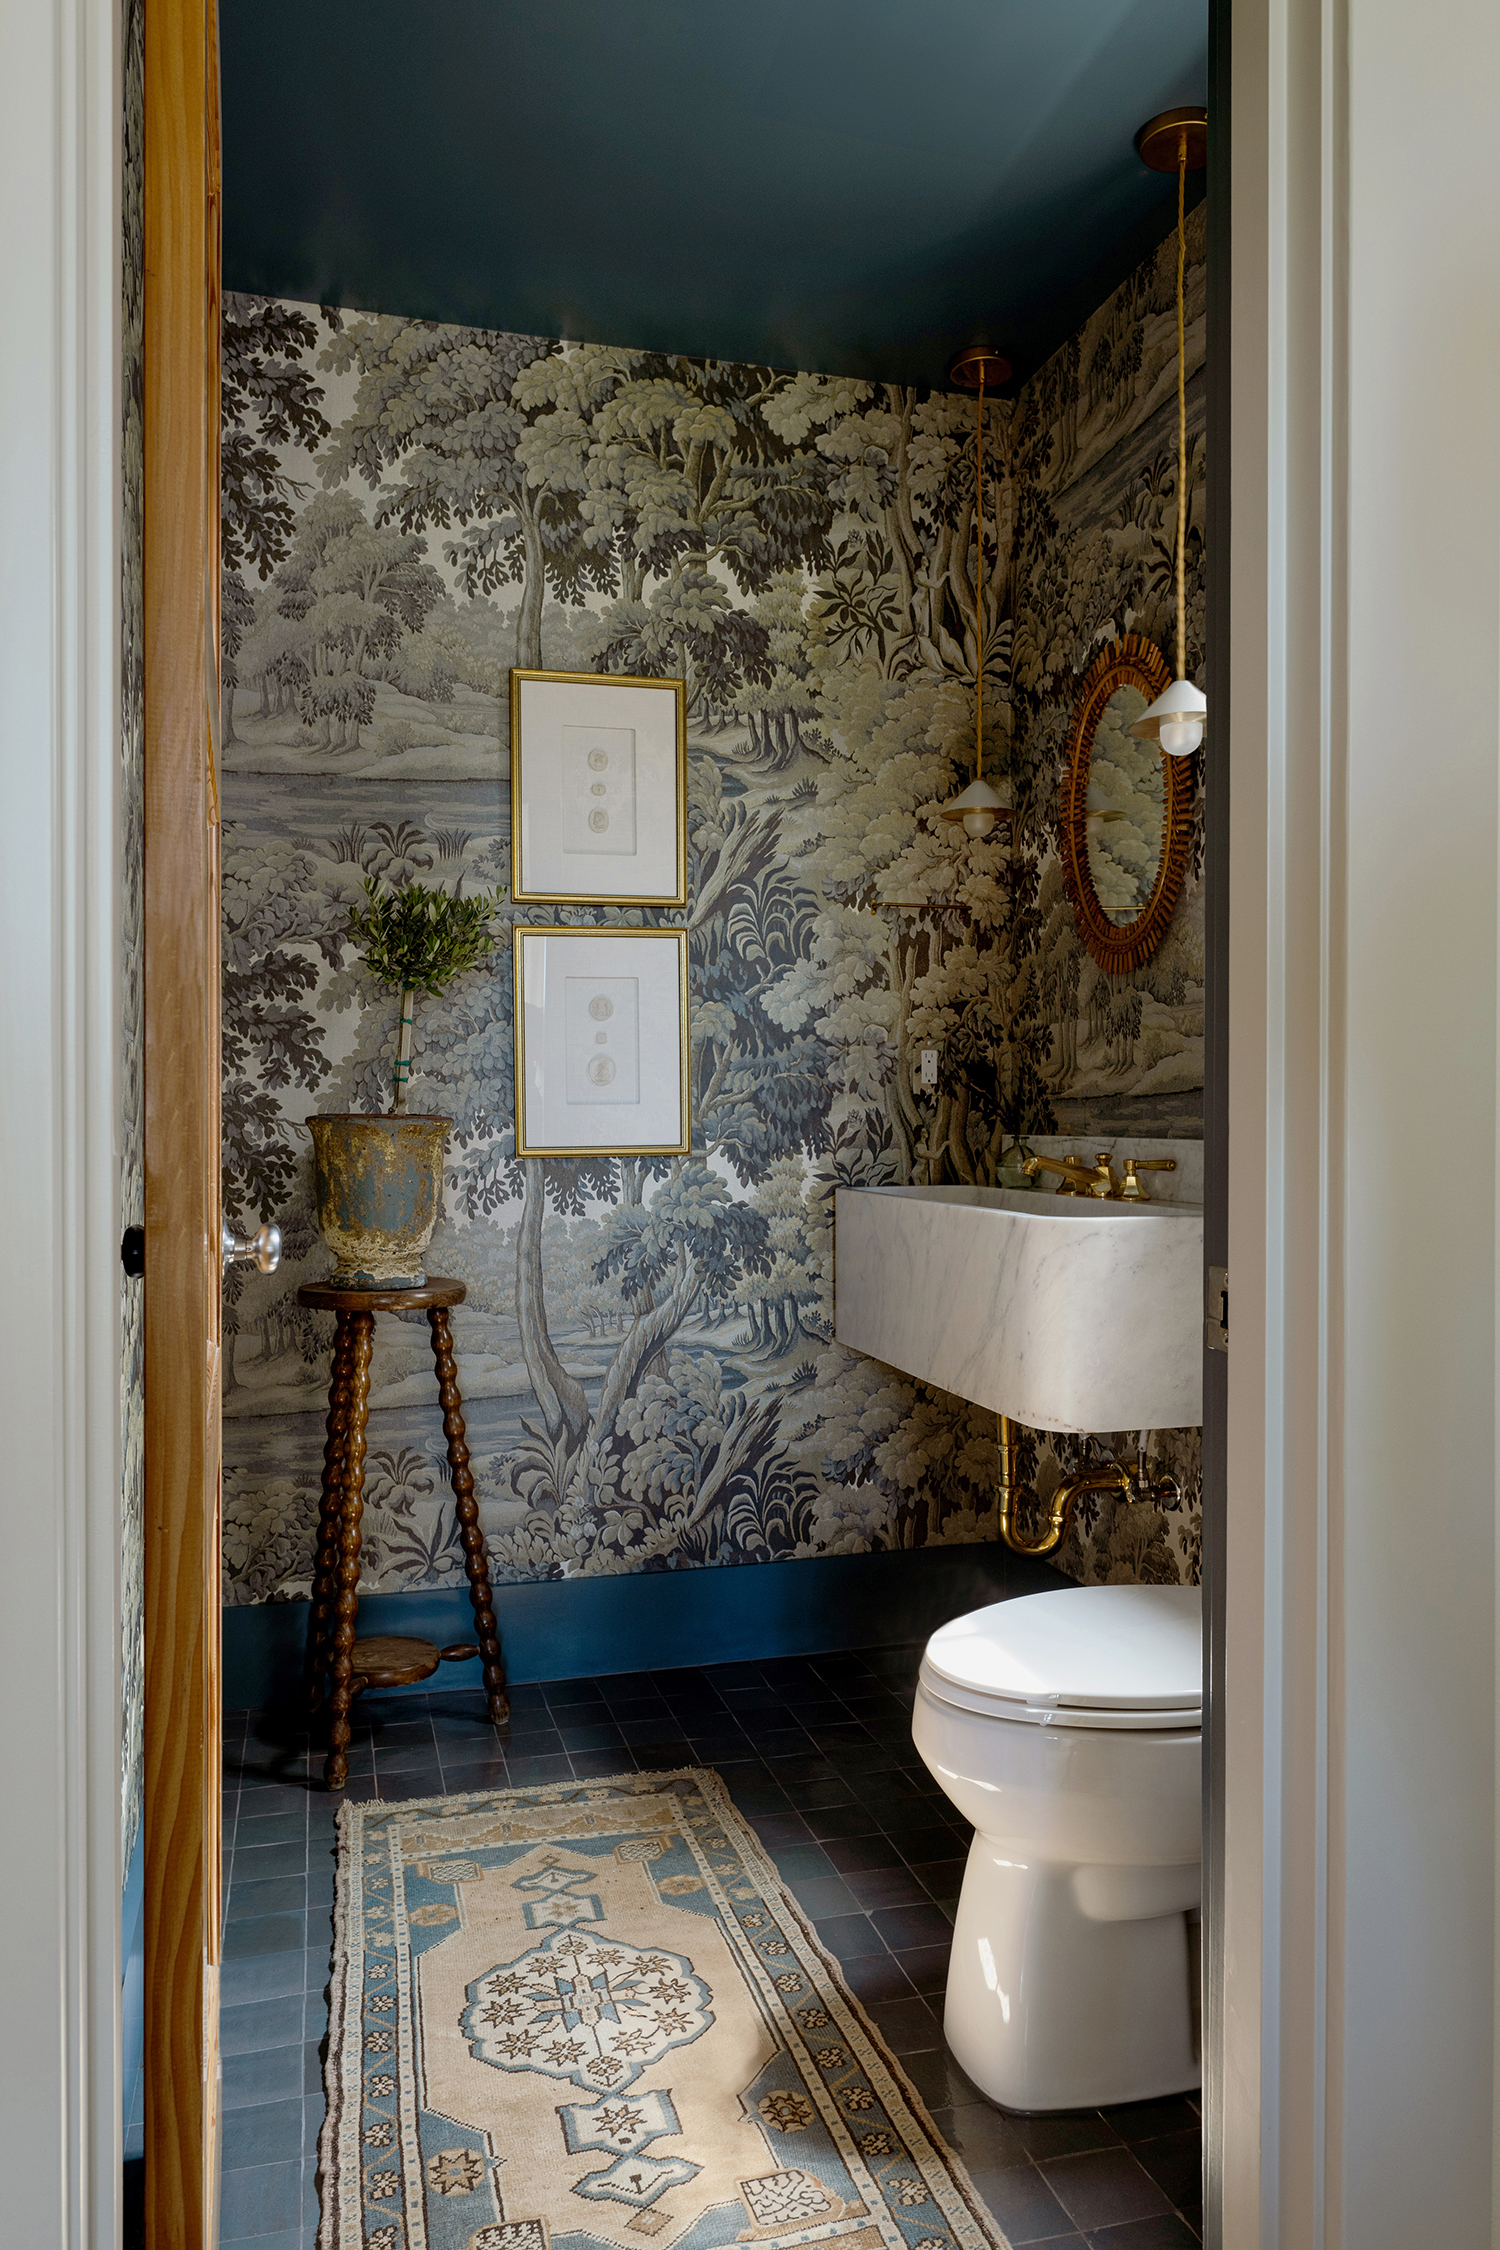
x,y
60,1873
1360,1557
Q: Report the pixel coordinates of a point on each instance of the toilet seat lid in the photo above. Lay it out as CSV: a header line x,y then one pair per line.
x,y
1113,1656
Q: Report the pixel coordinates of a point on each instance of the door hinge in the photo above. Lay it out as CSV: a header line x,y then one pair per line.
x,y
1216,1319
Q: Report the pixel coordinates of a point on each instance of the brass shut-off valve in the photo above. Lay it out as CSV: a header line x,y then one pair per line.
x,y
1111,1476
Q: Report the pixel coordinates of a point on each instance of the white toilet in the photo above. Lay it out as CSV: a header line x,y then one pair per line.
x,y
1066,1727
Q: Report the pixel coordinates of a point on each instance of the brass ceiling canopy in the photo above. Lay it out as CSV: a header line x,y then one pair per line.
x,y
1158,144
978,367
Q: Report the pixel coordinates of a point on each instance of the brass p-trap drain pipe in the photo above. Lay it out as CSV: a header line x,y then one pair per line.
x,y
1112,1477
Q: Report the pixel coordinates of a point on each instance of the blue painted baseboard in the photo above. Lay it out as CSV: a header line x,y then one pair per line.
x,y
563,1629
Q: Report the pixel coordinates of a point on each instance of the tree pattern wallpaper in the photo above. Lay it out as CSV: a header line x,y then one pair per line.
x,y
646,1353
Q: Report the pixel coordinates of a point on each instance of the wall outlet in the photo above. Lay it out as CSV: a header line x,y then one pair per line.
x,y
929,1066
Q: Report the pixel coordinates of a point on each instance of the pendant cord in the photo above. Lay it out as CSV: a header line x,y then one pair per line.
x,y
1182,152
979,581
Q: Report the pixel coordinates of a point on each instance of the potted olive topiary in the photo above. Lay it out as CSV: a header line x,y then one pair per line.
x,y
378,1179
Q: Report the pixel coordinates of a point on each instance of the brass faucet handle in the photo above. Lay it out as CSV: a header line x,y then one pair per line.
x,y
1131,1190
1103,1183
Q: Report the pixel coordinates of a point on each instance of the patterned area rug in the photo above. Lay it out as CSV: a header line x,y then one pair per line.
x,y
588,2016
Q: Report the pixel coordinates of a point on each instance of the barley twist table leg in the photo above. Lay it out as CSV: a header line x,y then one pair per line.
x,y
319,1625
362,1331
476,1562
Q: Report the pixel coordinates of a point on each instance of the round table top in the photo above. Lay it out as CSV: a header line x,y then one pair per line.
x,y
329,1296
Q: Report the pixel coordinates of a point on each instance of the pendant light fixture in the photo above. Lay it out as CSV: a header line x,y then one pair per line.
x,y
1177,141
979,806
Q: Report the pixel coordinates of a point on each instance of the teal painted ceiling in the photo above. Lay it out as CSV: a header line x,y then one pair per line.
x,y
856,186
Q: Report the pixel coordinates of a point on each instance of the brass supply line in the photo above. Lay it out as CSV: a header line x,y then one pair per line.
x,y
1113,1476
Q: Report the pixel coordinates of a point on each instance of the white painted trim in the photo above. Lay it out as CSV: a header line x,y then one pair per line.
x,y
1361,1565
60,1876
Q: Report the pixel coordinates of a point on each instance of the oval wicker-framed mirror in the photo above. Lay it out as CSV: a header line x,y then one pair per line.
x,y
1126,824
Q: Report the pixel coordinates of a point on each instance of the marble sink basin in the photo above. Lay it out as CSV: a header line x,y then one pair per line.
x,y
1066,1313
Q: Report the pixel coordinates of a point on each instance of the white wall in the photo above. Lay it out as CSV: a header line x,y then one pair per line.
x,y
1362,1553
60,2132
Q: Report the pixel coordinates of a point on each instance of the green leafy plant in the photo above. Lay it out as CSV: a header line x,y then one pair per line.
x,y
415,938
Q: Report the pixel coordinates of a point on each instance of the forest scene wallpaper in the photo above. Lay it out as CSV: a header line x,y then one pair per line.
x,y
646,1354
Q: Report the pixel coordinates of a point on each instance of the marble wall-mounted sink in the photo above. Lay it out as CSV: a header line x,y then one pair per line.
x,y
1066,1313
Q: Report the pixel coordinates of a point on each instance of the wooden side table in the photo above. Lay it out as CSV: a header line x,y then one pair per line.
x,y
391,1660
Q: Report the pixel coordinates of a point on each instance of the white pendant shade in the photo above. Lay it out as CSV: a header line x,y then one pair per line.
x,y
978,807
1175,720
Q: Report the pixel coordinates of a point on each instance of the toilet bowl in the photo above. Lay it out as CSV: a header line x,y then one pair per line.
x,y
1066,1727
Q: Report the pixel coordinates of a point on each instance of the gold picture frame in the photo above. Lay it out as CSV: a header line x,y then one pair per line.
x,y
1132,662
544,866
609,959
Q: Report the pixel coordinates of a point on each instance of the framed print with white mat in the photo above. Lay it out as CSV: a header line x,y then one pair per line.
x,y
601,1042
598,789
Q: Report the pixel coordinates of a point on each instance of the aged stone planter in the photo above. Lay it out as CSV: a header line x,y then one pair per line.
x,y
379,1185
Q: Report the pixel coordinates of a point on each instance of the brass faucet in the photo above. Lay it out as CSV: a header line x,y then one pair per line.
x,y
1076,1178
1101,1183
1111,1476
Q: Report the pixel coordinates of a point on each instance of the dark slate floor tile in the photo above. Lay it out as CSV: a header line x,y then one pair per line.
x,y
843,1821
267,2133
940,2081
1065,2133
1021,2202
264,1976
809,1768
476,1779
265,2074
911,1925
603,1735
756,1794
926,1966
855,1854
661,1757
256,1831
573,1691
872,1977
261,1800
264,1933
533,1737
598,1765
816,1793
824,1897
779,1828
980,2133
1167,2232
1175,2162
800,1862
277,1895
614,1685
264,2200
654,1734
528,1772
630,1710
944,1878
848,1936
909,2027
260,2024
1104,2188
1148,2121
886,1886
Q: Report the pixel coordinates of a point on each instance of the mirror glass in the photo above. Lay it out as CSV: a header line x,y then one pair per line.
x,y
1125,809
